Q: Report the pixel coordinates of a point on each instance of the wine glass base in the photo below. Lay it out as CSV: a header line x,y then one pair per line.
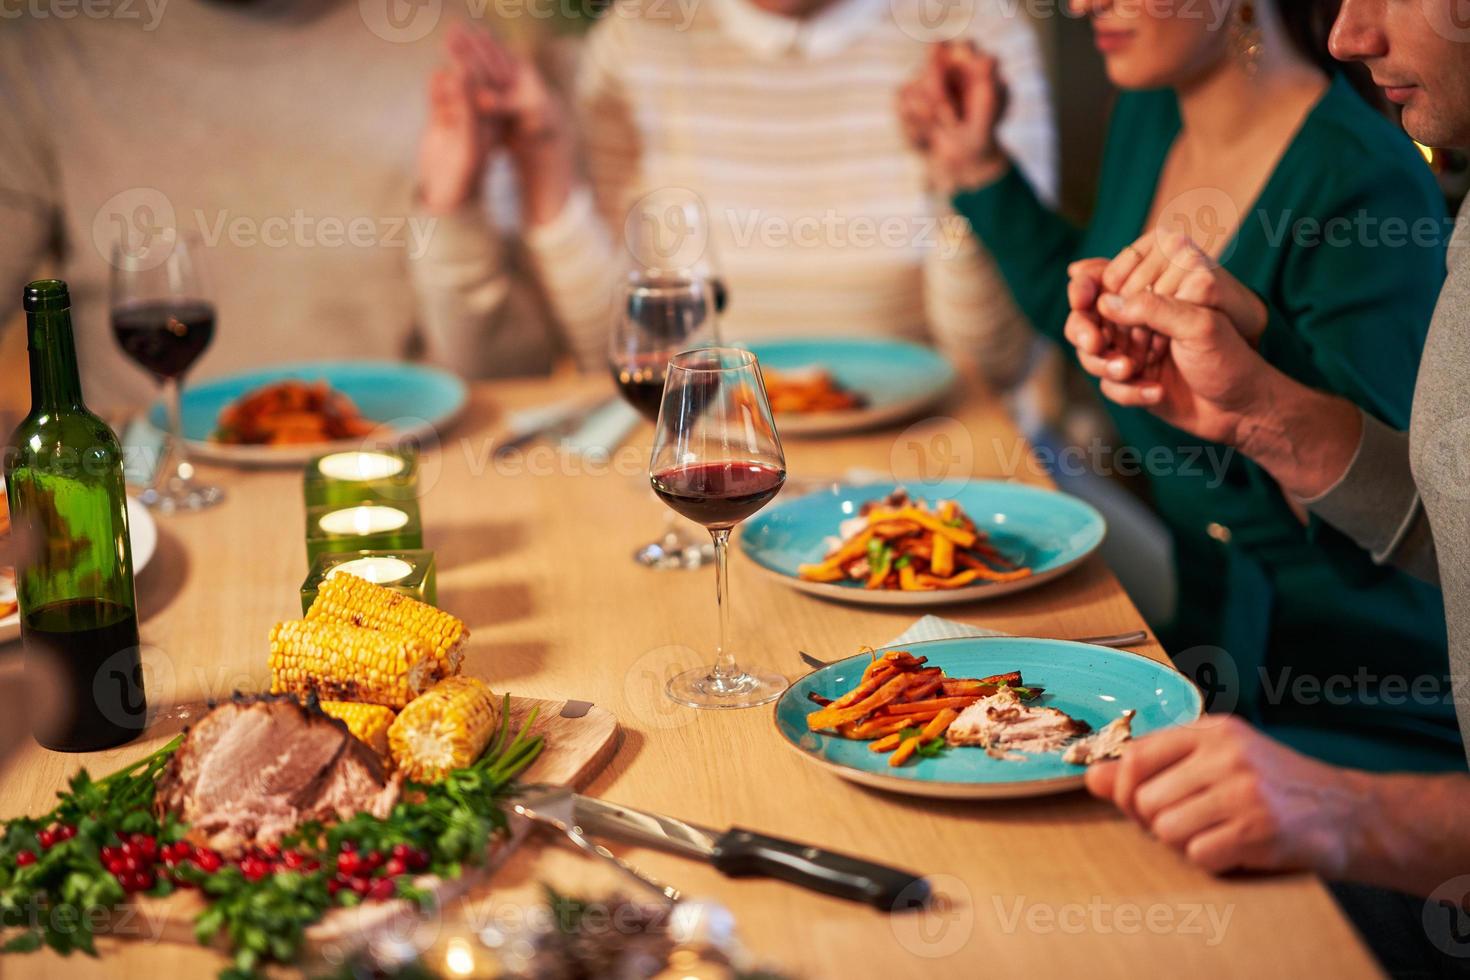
x,y
699,688
178,495
674,554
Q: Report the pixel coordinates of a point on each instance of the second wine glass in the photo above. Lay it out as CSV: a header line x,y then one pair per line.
x,y
163,321
717,459
658,316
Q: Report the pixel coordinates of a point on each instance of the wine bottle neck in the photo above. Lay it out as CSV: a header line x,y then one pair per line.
x,y
55,381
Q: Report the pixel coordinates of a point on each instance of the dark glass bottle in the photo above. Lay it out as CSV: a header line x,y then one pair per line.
x,y
68,508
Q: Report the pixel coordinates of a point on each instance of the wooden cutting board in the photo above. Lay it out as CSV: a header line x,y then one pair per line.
x,y
581,739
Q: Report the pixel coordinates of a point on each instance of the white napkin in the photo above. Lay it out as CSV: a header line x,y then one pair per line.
x,y
602,432
935,628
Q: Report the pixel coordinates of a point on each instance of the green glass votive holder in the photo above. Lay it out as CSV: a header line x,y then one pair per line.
x,y
369,524
348,477
408,572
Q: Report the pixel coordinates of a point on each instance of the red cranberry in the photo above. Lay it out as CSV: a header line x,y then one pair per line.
x,y
382,888
66,831
349,862
418,859
47,837
394,868
24,858
207,860
360,886
373,860
293,859
110,854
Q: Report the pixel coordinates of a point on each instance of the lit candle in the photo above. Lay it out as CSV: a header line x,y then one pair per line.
x,y
348,477
410,572
372,525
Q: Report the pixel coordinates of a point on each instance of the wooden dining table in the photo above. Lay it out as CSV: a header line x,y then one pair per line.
x,y
535,553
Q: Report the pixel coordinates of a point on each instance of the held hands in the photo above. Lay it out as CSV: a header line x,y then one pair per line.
x,y
950,111
484,99
1171,335
1230,798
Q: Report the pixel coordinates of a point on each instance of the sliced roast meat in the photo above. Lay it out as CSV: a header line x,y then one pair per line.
x,y
256,767
1005,726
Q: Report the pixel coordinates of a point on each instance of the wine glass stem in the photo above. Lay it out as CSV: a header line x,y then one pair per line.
x,y
176,458
724,658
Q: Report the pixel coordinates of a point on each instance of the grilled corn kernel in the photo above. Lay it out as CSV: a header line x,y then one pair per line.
x,y
339,662
447,727
368,723
347,598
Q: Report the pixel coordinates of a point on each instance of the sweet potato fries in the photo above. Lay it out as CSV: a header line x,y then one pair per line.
x,y
808,390
904,707
291,413
903,544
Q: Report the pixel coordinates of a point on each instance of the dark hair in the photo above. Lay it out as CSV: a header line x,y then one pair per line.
x,y
1308,24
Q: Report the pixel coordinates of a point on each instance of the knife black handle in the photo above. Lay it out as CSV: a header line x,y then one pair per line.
x,y
744,853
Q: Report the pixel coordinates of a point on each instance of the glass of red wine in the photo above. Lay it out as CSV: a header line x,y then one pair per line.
x,y
163,321
717,460
658,316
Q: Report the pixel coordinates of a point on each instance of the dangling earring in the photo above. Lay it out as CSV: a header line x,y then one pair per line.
x,y
1245,35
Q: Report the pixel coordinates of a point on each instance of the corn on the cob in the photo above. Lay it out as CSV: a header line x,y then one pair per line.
x,y
339,662
447,727
349,599
368,723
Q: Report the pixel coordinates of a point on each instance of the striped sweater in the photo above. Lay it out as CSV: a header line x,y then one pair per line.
x,y
786,133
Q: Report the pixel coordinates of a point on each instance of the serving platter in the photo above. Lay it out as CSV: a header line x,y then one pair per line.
x,y
141,531
897,379
1049,531
581,738
411,401
1091,683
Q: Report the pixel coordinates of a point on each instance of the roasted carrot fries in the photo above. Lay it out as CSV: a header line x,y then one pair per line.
x,y
812,390
905,545
902,705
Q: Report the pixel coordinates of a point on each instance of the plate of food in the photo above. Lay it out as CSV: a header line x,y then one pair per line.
x,y
824,386
989,717
878,544
141,529
289,415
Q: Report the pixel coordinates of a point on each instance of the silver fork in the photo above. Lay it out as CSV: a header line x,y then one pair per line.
x,y
1114,640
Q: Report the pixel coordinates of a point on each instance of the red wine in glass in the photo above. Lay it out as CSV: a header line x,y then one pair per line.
x,y
641,383
718,495
165,337
717,459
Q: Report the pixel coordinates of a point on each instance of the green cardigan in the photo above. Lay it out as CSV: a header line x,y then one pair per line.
x,y
1323,646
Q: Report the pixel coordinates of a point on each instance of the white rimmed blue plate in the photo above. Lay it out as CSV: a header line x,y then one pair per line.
x,y
411,401
1048,531
897,378
1091,683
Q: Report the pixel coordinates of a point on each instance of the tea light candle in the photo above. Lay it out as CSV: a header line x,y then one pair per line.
x,y
372,525
345,478
409,572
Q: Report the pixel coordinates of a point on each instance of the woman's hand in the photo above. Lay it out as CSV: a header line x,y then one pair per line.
x,y
950,112
486,99
1230,798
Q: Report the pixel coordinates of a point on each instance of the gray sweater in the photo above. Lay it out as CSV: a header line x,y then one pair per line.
x,y
1406,496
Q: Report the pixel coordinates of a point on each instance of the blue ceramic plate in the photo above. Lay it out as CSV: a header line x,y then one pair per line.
x,y
411,400
899,379
1049,531
1091,683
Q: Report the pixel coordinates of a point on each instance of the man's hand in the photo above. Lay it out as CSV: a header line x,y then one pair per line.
x,y
1209,380
950,112
1230,798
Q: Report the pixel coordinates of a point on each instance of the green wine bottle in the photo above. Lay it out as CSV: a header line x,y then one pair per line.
x,y
74,580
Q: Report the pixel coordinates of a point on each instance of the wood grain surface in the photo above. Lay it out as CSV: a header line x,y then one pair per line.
x,y
534,552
